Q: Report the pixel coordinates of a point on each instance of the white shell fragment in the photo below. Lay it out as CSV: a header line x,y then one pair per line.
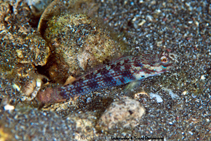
x,y
9,107
203,77
156,96
16,87
172,94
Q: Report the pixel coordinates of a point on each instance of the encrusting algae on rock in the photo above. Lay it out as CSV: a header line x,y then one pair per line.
x,y
80,42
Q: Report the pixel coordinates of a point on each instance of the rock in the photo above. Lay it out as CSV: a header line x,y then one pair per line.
x,y
122,114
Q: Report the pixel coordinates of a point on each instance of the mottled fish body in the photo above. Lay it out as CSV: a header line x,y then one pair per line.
x,y
119,72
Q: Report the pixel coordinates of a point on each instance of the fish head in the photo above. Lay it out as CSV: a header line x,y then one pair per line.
x,y
159,63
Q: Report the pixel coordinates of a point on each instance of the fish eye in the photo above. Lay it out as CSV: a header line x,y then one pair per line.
x,y
164,59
